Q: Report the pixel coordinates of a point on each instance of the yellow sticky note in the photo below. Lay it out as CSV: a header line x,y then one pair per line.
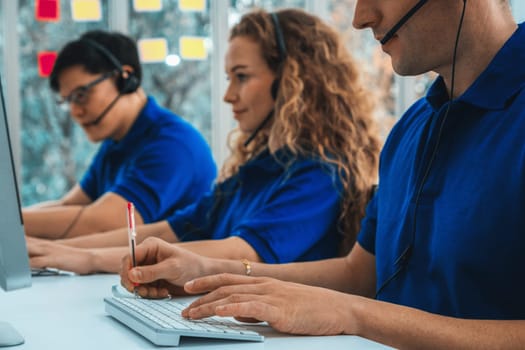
x,y
192,5
192,48
86,10
147,5
153,50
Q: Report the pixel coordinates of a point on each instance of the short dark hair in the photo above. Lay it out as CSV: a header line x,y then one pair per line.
x,y
81,52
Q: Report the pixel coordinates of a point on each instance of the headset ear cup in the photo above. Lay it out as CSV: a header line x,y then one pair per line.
x,y
128,84
275,88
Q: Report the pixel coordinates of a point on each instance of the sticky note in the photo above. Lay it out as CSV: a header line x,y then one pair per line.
x,y
192,48
86,10
147,5
47,10
192,5
46,61
153,50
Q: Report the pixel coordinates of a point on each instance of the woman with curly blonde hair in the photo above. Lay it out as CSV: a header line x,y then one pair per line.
x,y
321,109
303,160
296,95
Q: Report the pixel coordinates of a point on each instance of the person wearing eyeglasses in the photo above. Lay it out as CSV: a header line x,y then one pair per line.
x,y
148,155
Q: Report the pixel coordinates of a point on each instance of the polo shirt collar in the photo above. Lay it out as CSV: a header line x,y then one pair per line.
x,y
494,88
267,162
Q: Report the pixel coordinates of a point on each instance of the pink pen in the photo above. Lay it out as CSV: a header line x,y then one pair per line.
x,y
132,233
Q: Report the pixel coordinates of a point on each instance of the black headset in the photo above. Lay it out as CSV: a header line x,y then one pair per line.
x,y
402,261
281,50
127,82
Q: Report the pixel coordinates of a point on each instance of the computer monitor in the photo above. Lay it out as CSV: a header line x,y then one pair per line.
x,y
14,261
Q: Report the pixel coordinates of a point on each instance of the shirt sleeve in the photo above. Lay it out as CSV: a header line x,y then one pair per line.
x,y
89,183
191,222
297,222
367,235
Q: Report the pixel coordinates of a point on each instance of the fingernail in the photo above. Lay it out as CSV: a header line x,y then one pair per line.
x,y
188,284
136,275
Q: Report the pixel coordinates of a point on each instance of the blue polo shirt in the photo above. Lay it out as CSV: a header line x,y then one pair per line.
x,y
467,231
162,164
286,208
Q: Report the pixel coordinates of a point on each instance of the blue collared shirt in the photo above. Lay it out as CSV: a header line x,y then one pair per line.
x,y
286,208
467,227
162,164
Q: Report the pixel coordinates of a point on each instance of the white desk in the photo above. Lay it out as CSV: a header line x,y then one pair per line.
x,y
67,312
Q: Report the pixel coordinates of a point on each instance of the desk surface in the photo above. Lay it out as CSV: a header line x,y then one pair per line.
x,y
67,312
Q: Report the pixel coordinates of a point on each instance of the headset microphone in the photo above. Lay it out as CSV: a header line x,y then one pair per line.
x,y
402,21
104,112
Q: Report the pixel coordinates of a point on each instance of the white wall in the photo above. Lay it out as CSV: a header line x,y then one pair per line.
x,y
518,7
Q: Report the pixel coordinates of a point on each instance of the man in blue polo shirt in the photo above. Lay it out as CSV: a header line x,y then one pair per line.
x,y
148,155
441,247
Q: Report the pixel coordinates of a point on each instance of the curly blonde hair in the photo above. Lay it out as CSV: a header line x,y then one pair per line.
x,y
321,108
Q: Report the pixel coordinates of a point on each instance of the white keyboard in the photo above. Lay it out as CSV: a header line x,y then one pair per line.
x,y
161,322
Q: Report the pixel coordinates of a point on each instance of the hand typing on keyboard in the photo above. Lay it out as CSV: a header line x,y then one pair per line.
x,y
284,305
161,321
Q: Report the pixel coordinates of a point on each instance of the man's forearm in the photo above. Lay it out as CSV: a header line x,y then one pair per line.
x,y
113,238
409,328
51,222
108,259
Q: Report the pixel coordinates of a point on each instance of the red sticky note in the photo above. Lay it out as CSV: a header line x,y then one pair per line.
x,y
47,10
46,61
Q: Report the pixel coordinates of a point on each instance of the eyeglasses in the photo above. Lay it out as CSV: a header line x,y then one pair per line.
x,y
80,95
